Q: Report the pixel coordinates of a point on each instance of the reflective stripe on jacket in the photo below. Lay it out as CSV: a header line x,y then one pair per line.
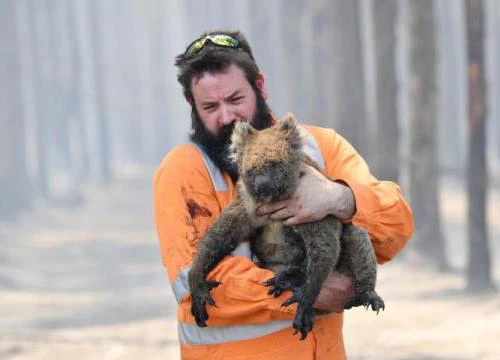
x,y
189,194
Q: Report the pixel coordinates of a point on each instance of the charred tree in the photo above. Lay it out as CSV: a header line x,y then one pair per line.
x,y
40,70
346,55
384,16
424,167
102,115
14,184
295,72
75,104
59,133
479,263
321,53
159,64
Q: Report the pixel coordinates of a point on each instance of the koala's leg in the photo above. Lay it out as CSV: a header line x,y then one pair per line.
x,y
290,275
359,256
220,240
322,245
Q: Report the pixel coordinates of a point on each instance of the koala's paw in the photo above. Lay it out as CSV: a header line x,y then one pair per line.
x,y
200,297
288,279
303,322
367,299
274,287
298,293
376,303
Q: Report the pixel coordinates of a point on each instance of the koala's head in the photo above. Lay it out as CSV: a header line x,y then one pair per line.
x,y
268,160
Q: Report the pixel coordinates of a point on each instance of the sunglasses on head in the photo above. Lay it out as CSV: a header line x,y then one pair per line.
x,y
216,39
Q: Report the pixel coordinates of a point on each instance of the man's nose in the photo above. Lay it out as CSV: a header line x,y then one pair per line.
x,y
227,116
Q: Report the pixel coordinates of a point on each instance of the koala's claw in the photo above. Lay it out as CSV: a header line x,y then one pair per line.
x,y
200,313
200,297
269,282
367,299
377,304
295,298
303,322
275,289
288,279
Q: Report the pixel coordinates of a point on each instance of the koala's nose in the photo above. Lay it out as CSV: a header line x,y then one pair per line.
x,y
263,185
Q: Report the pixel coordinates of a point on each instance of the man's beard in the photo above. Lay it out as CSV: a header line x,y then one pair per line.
x,y
217,146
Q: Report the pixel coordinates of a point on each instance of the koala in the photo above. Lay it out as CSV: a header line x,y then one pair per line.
x,y
301,256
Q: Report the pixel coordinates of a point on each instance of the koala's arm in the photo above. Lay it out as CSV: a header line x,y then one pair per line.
x,y
380,207
221,239
185,207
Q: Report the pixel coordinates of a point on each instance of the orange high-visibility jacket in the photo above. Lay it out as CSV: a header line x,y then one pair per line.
x,y
247,323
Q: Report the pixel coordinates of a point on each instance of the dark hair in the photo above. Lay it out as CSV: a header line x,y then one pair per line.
x,y
216,59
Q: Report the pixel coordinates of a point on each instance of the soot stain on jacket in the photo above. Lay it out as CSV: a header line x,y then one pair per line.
x,y
196,210
193,207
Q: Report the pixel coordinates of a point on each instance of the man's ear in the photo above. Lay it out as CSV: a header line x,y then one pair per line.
x,y
261,85
190,101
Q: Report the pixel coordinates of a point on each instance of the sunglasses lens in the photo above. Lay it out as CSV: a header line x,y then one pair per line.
x,y
220,40
224,40
195,47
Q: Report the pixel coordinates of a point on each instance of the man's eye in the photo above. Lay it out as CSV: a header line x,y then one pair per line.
x,y
237,99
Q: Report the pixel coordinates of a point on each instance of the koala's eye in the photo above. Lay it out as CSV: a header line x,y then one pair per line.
x,y
273,164
302,173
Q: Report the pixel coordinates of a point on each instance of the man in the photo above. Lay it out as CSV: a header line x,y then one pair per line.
x,y
194,183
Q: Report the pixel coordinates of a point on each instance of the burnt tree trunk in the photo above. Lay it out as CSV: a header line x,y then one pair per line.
x,y
82,171
424,167
14,185
384,15
294,70
479,271
349,107
103,145
40,71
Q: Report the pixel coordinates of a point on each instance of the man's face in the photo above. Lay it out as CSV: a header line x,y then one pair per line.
x,y
223,98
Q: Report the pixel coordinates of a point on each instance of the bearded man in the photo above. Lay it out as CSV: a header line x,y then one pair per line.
x,y
195,182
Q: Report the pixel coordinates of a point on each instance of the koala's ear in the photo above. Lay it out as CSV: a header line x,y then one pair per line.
x,y
241,133
291,132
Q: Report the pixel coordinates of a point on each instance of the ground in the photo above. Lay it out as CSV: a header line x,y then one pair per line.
x,y
87,283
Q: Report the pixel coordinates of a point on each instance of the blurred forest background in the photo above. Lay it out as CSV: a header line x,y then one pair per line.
x,y
89,105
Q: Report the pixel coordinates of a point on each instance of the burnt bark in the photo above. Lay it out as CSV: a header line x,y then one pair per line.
x,y
40,68
75,98
424,167
14,185
387,148
479,263
346,54
104,151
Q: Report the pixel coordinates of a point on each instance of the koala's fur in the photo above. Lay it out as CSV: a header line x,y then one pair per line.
x,y
302,256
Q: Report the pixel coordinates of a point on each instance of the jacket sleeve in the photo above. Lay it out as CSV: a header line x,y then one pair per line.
x,y
380,207
185,205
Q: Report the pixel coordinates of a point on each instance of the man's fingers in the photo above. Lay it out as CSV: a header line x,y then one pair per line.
x,y
281,214
291,221
267,209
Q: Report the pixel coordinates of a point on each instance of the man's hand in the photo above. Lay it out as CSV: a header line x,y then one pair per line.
x,y
316,197
336,291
